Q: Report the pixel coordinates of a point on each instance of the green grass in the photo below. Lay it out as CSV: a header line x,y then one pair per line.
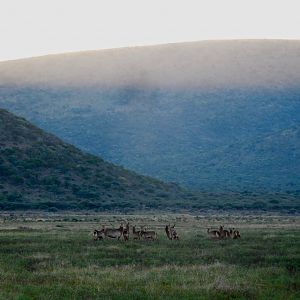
x,y
56,258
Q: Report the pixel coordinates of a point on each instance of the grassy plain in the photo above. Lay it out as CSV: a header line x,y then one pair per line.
x,y
53,256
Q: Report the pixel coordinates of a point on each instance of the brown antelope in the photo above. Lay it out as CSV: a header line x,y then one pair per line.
x,y
148,234
223,232
113,233
167,229
236,234
213,233
126,232
98,235
171,232
136,233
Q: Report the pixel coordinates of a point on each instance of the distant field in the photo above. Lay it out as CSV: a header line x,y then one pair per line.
x,y
53,256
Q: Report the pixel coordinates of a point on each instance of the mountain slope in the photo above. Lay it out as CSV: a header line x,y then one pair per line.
x,y
37,170
189,137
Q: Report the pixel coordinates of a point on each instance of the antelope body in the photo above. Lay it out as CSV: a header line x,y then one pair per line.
x,y
113,233
98,235
149,234
126,232
234,234
171,232
136,233
213,233
223,232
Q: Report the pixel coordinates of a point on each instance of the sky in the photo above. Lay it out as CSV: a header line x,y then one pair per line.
x,y
39,27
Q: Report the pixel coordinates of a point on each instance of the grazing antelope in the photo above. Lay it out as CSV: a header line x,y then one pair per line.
x,y
213,233
98,235
136,233
113,233
126,232
148,234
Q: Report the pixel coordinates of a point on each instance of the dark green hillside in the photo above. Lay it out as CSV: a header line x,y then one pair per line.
x,y
39,171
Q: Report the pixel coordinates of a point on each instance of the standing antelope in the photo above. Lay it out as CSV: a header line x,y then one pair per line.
x,y
126,232
234,234
113,233
148,234
171,232
213,233
98,235
167,229
223,232
136,233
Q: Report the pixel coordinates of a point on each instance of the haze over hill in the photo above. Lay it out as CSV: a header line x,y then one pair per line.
x,y
216,116
207,64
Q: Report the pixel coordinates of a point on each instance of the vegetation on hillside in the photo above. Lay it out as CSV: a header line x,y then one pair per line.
x,y
39,171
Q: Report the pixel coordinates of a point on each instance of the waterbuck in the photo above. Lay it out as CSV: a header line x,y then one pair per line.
x,y
223,232
171,232
98,235
234,234
213,233
148,234
136,233
126,232
113,233
167,229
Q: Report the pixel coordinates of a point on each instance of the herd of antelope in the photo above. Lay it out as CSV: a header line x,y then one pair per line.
x,y
224,233
151,235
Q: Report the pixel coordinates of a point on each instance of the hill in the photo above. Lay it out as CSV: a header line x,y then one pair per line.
x,y
208,115
39,171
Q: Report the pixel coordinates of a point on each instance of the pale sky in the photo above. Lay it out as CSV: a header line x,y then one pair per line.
x,y
39,27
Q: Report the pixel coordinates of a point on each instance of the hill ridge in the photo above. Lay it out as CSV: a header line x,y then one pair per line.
x,y
204,64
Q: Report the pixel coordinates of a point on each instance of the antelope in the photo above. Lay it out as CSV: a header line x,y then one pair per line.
x,y
213,233
234,234
126,232
223,232
113,232
136,233
148,234
98,235
171,232
167,229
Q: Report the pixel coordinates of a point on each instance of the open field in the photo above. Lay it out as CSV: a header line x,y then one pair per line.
x,y
53,256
